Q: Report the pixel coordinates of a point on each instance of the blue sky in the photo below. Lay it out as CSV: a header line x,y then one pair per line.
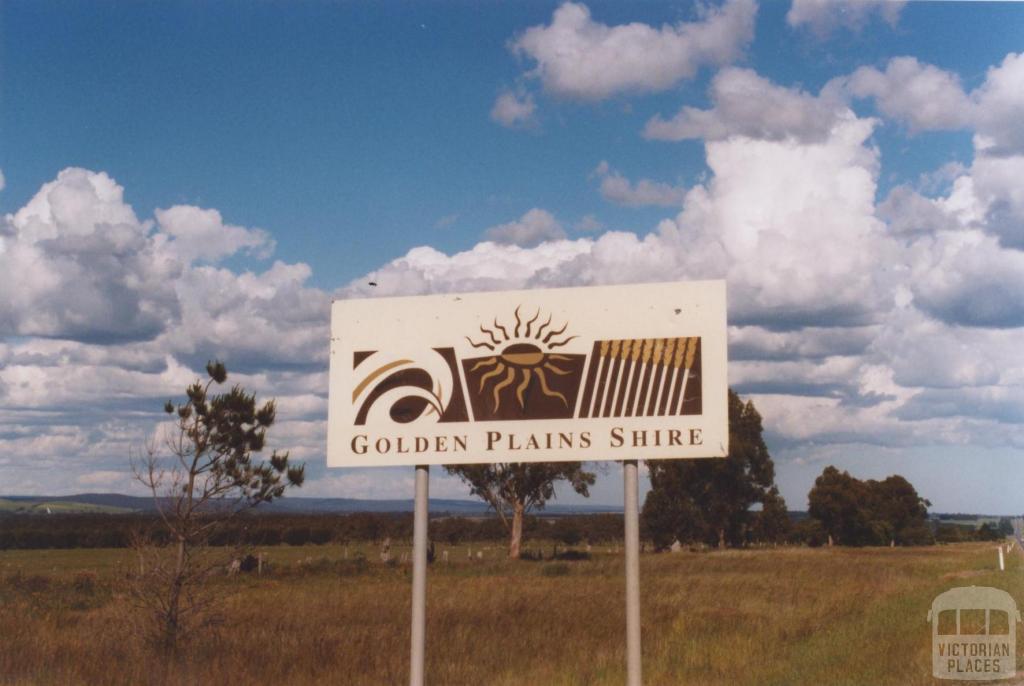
x,y
851,176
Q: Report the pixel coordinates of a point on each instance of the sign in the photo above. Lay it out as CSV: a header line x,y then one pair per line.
x,y
600,373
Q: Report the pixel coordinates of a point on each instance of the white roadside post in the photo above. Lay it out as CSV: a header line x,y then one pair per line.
x,y
1002,563
419,577
632,540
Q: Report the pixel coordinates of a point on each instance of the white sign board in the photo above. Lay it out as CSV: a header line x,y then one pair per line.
x,y
599,373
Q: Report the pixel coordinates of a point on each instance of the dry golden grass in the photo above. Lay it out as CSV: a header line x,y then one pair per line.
x,y
766,617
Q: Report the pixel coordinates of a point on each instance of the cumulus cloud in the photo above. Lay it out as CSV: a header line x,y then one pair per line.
x,y
588,223
791,225
909,212
577,57
927,98
993,191
533,228
618,189
488,266
923,352
923,96
514,109
967,278
842,311
824,16
895,323
746,104
251,318
808,343
999,108
999,404
390,484
201,235
985,197
77,263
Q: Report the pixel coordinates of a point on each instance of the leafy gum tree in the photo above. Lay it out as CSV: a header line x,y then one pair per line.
x,y
855,512
710,500
513,489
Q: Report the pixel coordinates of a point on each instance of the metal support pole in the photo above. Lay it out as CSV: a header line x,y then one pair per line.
x,y
419,576
632,521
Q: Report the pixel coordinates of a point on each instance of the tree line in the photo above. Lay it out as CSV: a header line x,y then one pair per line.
x,y
37,531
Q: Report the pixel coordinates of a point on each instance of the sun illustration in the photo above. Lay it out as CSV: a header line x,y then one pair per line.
x,y
519,359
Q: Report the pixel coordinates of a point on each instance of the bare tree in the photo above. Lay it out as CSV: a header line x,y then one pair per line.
x,y
201,475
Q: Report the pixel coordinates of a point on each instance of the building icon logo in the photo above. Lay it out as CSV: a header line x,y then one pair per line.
x,y
974,634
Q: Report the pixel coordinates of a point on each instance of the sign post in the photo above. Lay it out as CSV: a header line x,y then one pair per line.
x,y
419,577
632,541
621,372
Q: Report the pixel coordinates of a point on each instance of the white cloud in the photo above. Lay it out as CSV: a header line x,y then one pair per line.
x,y
588,223
384,484
514,109
201,235
995,183
897,324
252,319
909,212
791,225
840,322
928,98
77,263
746,104
1000,108
923,352
824,16
809,343
105,479
579,58
533,228
966,278
618,189
923,96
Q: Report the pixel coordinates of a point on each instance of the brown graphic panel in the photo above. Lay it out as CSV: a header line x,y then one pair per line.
x,y
409,408
644,377
523,383
456,410
588,394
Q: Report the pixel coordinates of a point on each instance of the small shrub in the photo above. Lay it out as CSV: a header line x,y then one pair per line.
x,y
555,569
84,583
354,567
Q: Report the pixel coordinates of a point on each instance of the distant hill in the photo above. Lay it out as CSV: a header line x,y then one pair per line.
x,y
116,503
59,505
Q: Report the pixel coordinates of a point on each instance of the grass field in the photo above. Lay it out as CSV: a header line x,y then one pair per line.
x,y
787,616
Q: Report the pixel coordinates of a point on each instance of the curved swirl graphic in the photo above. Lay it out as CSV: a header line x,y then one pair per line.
x,y
407,386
